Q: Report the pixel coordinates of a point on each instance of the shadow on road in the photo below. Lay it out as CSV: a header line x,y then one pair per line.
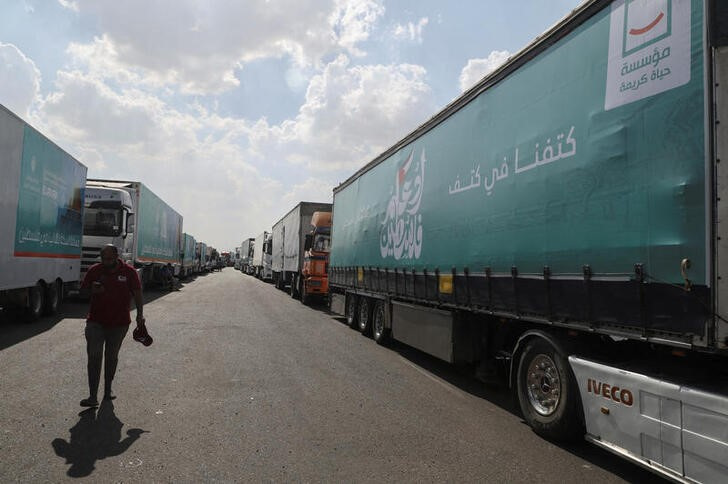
x,y
500,394
13,328
96,436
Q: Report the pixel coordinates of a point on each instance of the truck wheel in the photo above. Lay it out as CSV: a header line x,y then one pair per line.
x,y
379,332
53,298
305,297
142,281
365,316
36,301
351,311
547,392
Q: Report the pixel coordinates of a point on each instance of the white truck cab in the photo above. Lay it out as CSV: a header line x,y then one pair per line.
x,y
108,219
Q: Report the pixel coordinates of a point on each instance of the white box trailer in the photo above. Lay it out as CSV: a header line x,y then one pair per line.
x,y
41,205
127,214
247,249
262,256
187,255
562,225
289,237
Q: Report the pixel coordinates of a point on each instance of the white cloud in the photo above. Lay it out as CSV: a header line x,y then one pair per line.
x,y
19,80
410,31
351,114
69,4
99,60
195,161
242,171
84,108
476,69
199,46
311,189
92,158
352,20
111,106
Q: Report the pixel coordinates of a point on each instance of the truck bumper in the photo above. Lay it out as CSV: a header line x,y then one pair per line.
x,y
673,429
316,285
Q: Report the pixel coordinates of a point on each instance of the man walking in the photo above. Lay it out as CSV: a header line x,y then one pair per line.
x,y
112,284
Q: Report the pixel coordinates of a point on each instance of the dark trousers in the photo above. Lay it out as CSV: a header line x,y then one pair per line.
x,y
102,341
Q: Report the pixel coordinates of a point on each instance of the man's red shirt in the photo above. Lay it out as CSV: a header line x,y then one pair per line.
x,y
111,307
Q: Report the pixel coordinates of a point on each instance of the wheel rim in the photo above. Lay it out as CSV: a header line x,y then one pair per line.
x,y
351,310
543,385
378,321
36,299
53,297
363,314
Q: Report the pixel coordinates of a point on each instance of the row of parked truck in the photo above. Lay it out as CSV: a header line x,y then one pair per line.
x,y
55,221
294,254
560,227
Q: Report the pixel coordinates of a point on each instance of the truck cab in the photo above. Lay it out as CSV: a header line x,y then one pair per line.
x,y
108,219
316,258
267,271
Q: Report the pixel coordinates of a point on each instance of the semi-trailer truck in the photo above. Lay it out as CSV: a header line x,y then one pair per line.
x,y
41,206
262,256
236,259
289,237
188,266
246,255
562,224
315,284
127,214
201,257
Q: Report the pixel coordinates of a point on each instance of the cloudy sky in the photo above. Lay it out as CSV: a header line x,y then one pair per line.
x,y
234,110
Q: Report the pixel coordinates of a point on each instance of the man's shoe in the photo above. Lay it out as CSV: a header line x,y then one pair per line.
x,y
90,402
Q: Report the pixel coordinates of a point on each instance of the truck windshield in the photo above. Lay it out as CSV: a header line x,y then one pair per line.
x,y
102,222
321,242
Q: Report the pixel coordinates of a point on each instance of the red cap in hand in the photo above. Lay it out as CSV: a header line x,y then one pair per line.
x,y
140,334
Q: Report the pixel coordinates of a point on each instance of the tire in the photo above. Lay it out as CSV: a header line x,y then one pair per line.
x,y
352,316
305,297
53,297
294,287
365,316
547,392
36,302
142,281
380,333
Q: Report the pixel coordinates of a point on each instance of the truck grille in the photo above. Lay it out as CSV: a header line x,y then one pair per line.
x,y
89,257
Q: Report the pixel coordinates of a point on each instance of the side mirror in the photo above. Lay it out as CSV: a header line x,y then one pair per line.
x,y
309,242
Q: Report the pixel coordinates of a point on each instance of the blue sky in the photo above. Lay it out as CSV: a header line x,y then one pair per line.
x,y
233,111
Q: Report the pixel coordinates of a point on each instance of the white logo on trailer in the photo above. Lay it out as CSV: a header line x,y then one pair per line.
x,y
401,233
649,49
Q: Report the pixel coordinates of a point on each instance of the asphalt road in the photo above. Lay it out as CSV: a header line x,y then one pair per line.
x,y
245,384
